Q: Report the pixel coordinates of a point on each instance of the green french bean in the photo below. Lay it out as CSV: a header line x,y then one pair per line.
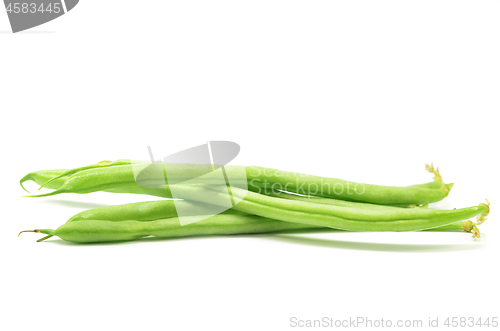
x,y
92,231
120,179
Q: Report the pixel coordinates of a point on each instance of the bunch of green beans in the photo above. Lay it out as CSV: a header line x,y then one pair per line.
x,y
379,208
160,219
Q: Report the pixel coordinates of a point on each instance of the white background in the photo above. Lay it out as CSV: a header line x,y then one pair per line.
x,y
368,91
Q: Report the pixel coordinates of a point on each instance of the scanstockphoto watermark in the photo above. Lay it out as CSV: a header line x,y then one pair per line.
x,y
353,322
366,322
270,181
204,167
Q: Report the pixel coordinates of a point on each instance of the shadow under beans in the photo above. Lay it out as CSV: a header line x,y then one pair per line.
x,y
75,204
288,237
366,246
58,241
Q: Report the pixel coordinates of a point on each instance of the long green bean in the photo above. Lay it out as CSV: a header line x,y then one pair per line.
x,y
91,231
54,179
404,219
162,209
121,179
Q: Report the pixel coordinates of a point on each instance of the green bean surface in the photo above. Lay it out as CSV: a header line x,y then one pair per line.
x,y
120,179
345,218
150,211
101,164
344,190
92,231
257,210
162,209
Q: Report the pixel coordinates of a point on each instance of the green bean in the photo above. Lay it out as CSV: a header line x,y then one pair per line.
x,y
91,231
120,179
344,218
467,225
45,175
45,178
48,178
341,189
162,209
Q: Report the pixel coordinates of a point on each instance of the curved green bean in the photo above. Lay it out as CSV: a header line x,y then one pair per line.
x,y
341,189
467,225
46,178
92,231
120,179
55,179
344,218
162,209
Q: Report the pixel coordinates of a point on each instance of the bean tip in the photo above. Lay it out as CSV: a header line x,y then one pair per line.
x,y
36,231
467,227
476,233
24,179
42,239
482,218
42,195
437,176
